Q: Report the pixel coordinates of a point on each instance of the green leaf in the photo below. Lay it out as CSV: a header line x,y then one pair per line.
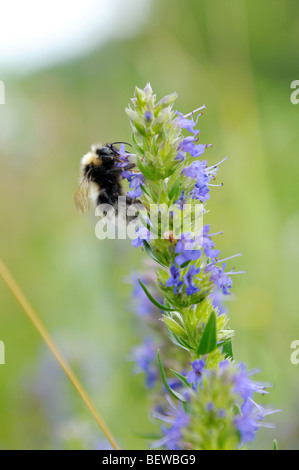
x,y
142,187
153,255
146,224
144,169
227,350
174,326
174,190
181,378
187,407
208,340
174,394
185,345
137,145
275,445
178,341
184,265
140,127
154,301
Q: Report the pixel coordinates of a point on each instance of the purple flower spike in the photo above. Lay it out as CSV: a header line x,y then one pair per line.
x,y
189,281
186,249
220,278
123,161
148,116
143,306
194,376
198,171
185,123
252,415
145,355
142,233
135,183
207,244
176,420
175,280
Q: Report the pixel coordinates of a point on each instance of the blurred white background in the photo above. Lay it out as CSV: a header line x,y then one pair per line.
x,y
35,33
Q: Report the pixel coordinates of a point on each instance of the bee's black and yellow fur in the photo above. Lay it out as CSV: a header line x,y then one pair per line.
x,y
101,178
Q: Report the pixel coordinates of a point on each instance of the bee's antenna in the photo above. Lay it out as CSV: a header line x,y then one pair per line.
x,y
127,143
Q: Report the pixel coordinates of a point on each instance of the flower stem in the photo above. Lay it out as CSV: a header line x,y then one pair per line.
x,y
33,317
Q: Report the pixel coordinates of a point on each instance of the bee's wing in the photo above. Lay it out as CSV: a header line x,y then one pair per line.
x,y
82,198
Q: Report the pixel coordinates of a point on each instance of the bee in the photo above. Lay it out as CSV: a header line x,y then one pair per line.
x,y
101,177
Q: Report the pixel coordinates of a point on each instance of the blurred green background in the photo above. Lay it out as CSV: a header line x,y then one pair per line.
x,y
237,57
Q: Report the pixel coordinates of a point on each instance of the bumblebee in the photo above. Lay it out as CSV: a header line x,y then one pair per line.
x,y
101,177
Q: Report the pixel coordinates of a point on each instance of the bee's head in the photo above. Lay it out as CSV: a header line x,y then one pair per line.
x,y
98,156
105,155
104,152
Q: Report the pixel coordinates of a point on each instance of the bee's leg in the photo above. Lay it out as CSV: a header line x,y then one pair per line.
x,y
104,198
115,170
116,190
130,200
110,197
129,166
119,169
